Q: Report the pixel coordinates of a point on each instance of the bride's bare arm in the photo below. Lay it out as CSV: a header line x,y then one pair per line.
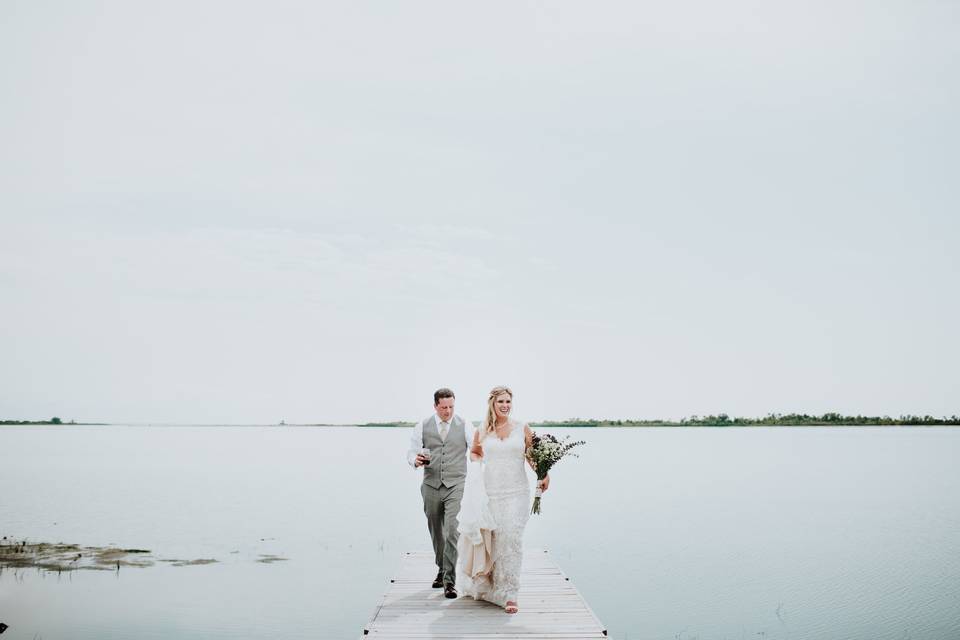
x,y
528,442
476,451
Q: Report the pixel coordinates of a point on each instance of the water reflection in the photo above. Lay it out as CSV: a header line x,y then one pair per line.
x,y
776,533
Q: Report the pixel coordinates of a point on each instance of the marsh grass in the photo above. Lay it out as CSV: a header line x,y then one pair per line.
x,y
59,557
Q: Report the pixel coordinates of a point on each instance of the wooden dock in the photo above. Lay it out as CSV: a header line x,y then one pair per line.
x,y
550,607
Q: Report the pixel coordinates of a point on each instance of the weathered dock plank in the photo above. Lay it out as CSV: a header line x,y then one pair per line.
x,y
551,608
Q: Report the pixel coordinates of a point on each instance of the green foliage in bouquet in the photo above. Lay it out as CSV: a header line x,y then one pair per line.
x,y
545,451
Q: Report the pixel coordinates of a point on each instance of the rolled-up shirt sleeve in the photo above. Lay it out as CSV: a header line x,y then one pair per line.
x,y
416,443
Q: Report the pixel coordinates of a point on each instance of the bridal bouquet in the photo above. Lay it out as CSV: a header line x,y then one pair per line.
x,y
544,452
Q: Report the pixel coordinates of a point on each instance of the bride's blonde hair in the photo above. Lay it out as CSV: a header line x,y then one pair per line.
x,y
490,421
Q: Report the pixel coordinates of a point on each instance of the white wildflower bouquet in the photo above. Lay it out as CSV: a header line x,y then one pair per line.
x,y
544,452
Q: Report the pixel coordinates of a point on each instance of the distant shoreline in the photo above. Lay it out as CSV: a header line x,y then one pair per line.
x,y
721,420
625,424
53,422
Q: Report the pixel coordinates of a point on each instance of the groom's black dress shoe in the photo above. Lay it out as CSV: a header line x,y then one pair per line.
x,y
449,591
438,581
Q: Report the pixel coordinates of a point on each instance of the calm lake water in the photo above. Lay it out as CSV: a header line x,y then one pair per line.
x,y
669,533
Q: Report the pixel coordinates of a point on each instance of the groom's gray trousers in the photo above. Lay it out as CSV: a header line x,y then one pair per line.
x,y
441,506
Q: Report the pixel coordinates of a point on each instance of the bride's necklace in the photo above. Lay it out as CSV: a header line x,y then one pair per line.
x,y
501,428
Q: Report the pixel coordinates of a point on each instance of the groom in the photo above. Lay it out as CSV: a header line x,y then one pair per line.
x,y
444,471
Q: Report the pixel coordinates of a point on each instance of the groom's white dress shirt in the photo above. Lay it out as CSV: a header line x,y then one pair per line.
x,y
416,438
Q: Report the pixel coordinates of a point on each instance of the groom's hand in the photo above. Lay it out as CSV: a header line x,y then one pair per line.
x,y
420,461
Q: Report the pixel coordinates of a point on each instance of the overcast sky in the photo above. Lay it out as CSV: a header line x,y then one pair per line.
x,y
321,211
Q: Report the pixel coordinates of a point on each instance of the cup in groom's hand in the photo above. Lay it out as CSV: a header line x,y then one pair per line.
x,y
423,458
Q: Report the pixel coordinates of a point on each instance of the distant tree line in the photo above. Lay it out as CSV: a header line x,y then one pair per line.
x,y
772,419
386,424
719,420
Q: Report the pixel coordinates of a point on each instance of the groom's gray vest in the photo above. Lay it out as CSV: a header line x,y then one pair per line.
x,y
448,458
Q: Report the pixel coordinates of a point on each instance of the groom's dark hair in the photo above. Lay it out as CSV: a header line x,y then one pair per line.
x,y
440,394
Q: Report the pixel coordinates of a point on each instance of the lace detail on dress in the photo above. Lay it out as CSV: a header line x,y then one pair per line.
x,y
508,491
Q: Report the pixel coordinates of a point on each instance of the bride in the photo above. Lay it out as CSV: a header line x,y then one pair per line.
x,y
491,557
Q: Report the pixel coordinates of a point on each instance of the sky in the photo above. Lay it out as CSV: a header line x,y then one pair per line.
x,y
236,212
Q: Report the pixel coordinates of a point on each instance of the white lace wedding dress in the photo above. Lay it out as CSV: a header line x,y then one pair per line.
x,y
508,491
